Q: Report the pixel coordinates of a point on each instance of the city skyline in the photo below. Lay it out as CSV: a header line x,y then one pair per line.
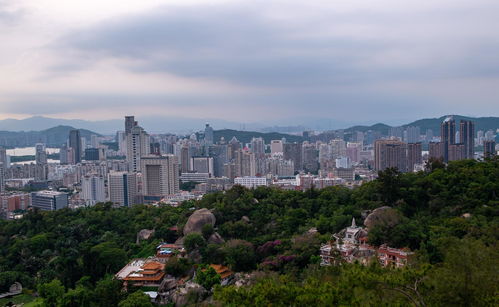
x,y
268,61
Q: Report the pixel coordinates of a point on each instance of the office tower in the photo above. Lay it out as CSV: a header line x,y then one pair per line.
x,y
137,146
412,134
489,149
49,200
129,124
92,187
390,153
447,135
92,154
338,148
467,137
202,165
457,152
75,144
436,150
122,188
208,135
414,155
257,146
276,146
310,158
40,154
220,157
293,151
63,154
160,175
184,158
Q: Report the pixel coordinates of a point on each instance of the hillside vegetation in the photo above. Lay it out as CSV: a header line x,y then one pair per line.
x,y
447,215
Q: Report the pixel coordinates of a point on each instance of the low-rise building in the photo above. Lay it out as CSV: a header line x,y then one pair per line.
x,y
142,273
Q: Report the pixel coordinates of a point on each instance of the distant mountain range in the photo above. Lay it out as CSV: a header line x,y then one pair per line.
x,y
18,134
52,137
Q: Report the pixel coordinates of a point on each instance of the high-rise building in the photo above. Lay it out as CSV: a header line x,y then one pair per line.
x,y
2,178
137,146
63,154
122,188
390,153
121,139
276,146
414,155
467,137
353,151
413,134
49,200
436,150
160,175
293,151
40,154
457,152
338,148
447,135
310,158
257,146
208,135
489,149
93,190
3,157
202,165
129,124
92,154
184,158
220,157
75,144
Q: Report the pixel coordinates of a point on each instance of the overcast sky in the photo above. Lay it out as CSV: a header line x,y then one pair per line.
x,y
249,61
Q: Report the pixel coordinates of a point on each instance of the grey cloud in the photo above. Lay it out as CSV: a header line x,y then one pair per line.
x,y
241,45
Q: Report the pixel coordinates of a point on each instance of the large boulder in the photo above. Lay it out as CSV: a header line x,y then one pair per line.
x,y
144,234
216,238
386,216
198,219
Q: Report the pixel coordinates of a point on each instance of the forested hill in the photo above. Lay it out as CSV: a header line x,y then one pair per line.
x,y
55,137
448,215
246,136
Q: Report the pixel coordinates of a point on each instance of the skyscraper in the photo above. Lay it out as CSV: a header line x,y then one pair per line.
x,y
75,144
467,137
3,157
137,146
258,145
122,188
276,146
160,175
390,153
447,135
293,151
2,178
208,135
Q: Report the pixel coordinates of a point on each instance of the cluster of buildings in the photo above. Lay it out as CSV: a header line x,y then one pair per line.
x,y
135,167
350,245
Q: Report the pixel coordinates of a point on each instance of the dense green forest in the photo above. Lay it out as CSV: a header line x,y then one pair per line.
x,y
448,215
